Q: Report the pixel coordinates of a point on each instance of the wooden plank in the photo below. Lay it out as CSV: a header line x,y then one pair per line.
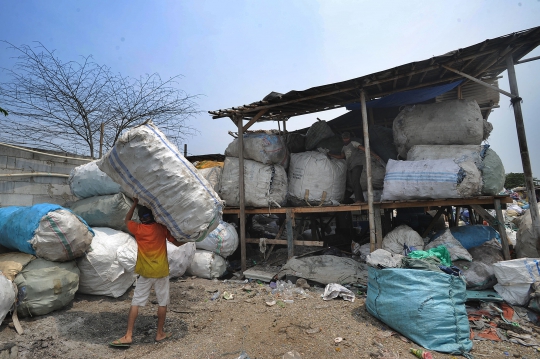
x,y
254,119
433,221
289,225
378,226
371,213
284,242
502,229
485,215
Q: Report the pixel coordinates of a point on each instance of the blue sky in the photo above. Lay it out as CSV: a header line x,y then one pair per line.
x,y
236,52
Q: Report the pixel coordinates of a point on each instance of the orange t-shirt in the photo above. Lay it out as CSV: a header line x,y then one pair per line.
x,y
151,239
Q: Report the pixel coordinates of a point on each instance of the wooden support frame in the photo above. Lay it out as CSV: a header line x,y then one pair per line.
x,y
497,223
371,212
242,193
433,221
480,82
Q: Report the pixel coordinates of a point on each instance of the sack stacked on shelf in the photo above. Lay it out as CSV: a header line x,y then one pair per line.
x,y
104,211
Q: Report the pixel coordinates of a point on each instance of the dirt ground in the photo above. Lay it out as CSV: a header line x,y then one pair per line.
x,y
205,328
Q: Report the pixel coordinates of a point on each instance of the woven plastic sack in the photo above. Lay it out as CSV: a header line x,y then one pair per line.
x,y
89,181
479,273
206,264
425,306
12,263
457,122
48,286
296,142
455,248
7,296
180,258
261,147
430,179
151,168
402,235
212,175
316,133
101,273
104,211
525,238
517,271
223,240
439,252
264,185
316,179
45,230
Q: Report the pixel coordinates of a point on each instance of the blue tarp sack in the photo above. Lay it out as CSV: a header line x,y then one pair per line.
x,y
45,230
472,236
425,306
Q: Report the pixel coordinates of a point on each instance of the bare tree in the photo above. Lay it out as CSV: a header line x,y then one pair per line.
x,y
62,105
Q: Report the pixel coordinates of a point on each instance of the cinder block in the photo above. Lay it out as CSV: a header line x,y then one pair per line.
x,y
3,161
7,187
51,180
8,151
16,200
32,188
61,200
27,165
64,168
58,190
11,162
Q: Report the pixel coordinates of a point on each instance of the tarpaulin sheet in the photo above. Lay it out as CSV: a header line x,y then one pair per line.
x,y
407,97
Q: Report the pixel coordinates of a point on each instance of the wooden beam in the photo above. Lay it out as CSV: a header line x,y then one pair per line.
x,y
242,194
254,119
285,242
378,226
433,222
480,82
289,225
502,230
371,212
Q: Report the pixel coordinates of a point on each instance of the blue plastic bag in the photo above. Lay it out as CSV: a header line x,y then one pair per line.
x,y
425,306
472,236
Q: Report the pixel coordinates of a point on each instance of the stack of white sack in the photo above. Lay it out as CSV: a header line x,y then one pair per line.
x,y
206,264
212,175
104,211
430,179
223,240
264,185
151,168
46,286
89,181
101,272
179,258
514,279
264,147
316,179
457,122
485,159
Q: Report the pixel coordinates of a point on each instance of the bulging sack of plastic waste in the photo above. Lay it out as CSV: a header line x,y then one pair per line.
x,y
486,160
402,237
525,238
457,122
223,240
89,181
316,179
264,185
151,168
45,286
45,230
179,258
430,179
101,272
213,176
104,211
206,264
266,148
7,296
318,131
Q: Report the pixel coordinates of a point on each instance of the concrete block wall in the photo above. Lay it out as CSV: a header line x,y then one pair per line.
x,y
30,190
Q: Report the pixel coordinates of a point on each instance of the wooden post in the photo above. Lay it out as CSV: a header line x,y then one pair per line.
x,y
378,225
101,133
241,192
185,149
524,150
502,229
290,236
284,126
371,212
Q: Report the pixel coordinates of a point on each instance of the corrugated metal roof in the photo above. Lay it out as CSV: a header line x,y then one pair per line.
x,y
483,60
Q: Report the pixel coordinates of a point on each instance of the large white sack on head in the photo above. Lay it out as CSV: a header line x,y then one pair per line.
x,y
61,236
316,133
517,271
213,176
485,159
151,168
430,179
517,294
48,286
265,185
101,272
402,235
7,296
207,265
223,240
315,173
525,238
456,250
179,258
88,181
457,122
104,211
261,147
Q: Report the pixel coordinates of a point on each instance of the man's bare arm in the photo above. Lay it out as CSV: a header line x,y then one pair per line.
x,y
129,215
